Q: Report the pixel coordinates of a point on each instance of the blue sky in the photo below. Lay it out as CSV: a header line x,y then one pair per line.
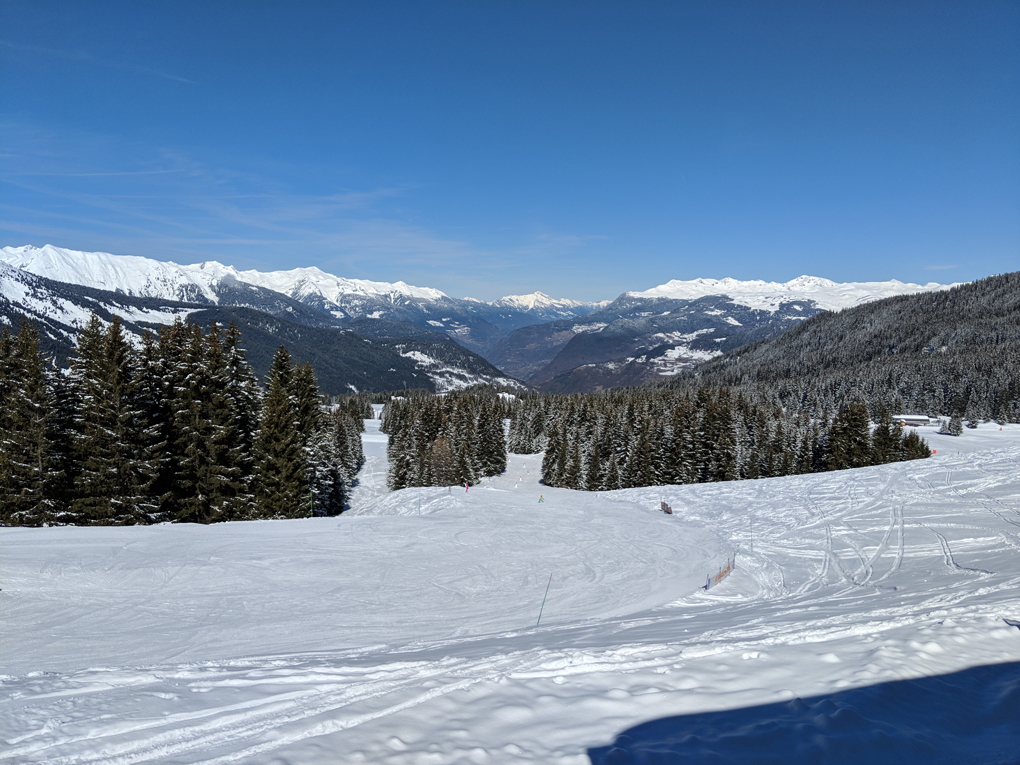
x,y
488,148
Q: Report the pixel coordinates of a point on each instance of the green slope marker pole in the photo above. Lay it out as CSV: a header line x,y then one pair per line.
x,y
543,601
311,505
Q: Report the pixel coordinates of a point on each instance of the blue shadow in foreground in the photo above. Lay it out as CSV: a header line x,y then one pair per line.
x,y
971,716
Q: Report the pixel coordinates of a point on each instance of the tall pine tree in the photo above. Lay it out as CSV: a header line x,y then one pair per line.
x,y
280,480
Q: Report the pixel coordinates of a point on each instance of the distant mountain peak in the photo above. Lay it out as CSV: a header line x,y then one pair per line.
x,y
539,300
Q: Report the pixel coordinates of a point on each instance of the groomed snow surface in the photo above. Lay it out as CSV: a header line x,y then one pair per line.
x,y
404,631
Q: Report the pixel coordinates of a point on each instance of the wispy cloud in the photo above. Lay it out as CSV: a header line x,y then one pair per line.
x,y
101,175
82,56
89,192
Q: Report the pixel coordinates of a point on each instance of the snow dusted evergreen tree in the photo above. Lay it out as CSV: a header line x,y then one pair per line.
x,y
241,388
307,403
885,440
31,464
527,425
849,438
280,480
554,460
224,482
112,477
331,444
491,442
346,456
167,431
649,437
442,441
953,426
194,496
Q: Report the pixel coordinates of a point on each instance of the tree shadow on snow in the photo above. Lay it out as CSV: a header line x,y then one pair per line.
x,y
971,716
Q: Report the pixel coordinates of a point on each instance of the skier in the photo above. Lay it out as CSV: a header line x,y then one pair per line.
x,y
541,499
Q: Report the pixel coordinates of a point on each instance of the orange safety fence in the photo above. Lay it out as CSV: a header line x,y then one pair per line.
x,y
711,581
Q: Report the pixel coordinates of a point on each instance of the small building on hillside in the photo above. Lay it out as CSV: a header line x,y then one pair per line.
x,y
913,420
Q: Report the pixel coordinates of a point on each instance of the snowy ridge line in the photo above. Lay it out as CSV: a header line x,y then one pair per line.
x,y
540,300
769,296
147,277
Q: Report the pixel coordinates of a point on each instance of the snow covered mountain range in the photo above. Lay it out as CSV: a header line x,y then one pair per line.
x,y
200,282
770,296
642,336
344,358
587,345
472,323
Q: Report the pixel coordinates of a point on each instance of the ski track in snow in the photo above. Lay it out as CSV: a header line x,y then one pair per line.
x,y
404,630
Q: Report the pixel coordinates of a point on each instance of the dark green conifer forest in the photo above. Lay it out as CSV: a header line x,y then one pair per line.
x,y
626,438
177,429
646,437
448,440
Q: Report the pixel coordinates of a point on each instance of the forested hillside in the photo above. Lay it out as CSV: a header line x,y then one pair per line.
x,y
345,361
938,353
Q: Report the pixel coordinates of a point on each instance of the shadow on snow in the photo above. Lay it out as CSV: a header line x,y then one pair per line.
x,y
971,716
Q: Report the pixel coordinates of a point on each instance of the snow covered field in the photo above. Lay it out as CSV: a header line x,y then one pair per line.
x,y
404,631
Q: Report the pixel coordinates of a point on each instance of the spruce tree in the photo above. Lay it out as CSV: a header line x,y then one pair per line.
x,y
611,474
953,427
29,491
885,440
555,457
280,479
491,442
593,467
195,493
464,435
8,385
112,478
914,447
241,388
156,438
224,483
849,438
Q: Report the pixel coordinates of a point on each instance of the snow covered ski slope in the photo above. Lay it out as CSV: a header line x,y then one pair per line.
x,y
404,630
